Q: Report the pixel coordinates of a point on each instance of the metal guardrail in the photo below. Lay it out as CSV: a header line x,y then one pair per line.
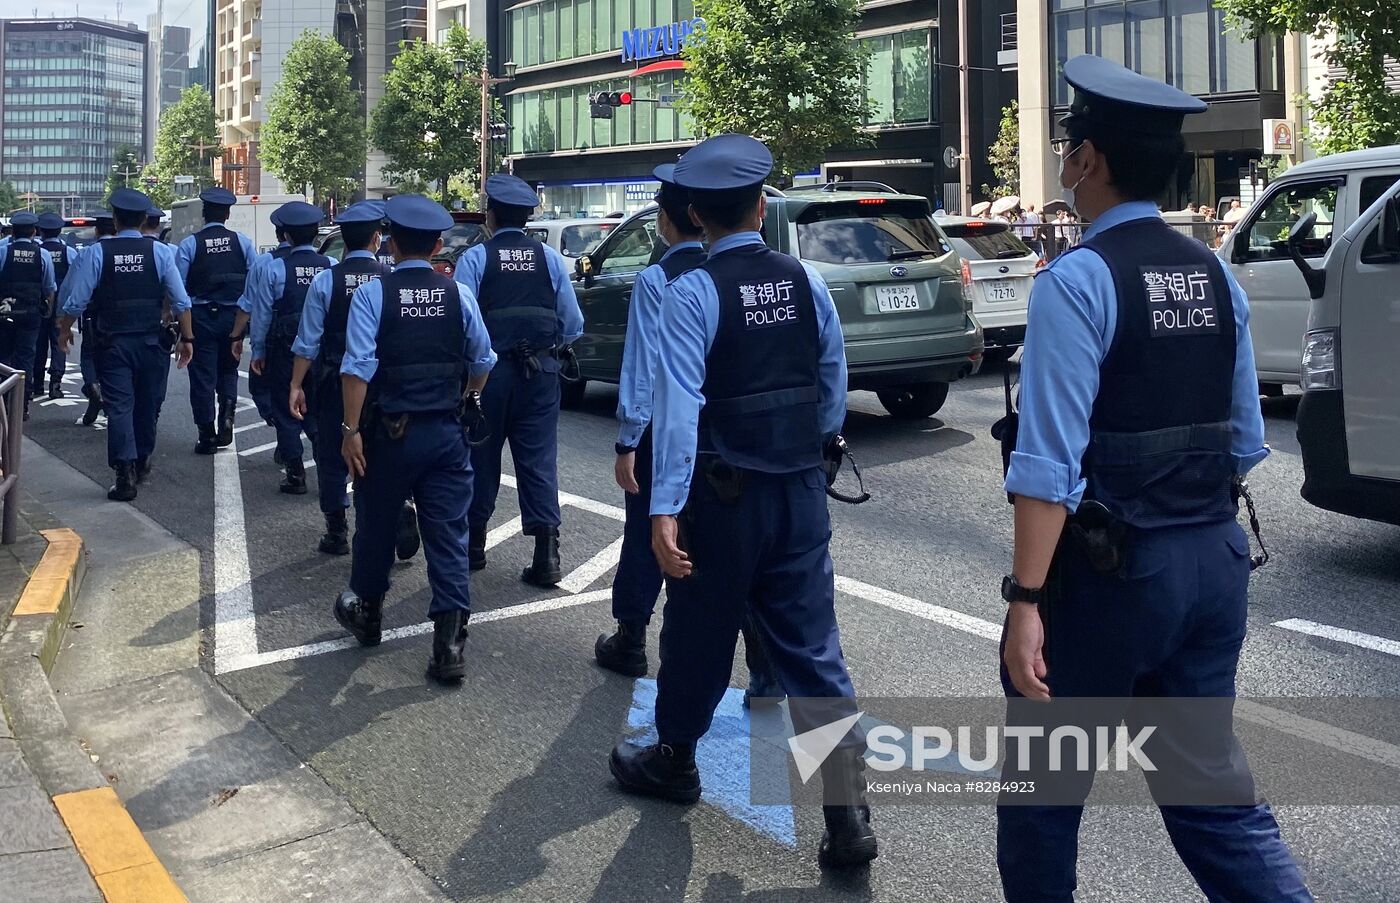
x,y
11,440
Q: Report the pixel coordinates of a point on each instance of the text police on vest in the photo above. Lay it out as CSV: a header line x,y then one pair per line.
x,y
422,302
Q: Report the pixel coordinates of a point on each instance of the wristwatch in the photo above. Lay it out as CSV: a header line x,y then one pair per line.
x,y
347,430
1012,591
186,340
623,449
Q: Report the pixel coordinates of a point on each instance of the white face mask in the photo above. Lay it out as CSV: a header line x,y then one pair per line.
x,y
1069,190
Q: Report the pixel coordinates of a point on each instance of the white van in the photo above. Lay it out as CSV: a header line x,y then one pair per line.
x,y
1349,416
252,216
1336,188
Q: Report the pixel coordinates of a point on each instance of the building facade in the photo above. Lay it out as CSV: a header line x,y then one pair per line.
x,y
181,55
74,91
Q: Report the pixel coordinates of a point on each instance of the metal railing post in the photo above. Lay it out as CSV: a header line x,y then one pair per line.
x,y
12,399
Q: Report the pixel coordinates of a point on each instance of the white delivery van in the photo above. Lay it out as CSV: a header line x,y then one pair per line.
x,y
1336,188
251,216
1349,415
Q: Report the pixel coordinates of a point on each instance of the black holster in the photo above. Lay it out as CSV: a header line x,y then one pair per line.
x,y
1100,536
724,478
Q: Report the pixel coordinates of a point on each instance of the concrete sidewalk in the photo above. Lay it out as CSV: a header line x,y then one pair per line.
x,y
228,810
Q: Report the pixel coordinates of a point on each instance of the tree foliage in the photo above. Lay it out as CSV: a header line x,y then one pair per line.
x,y
125,171
189,121
315,133
1357,110
428,121
787,72
9,198
1004,156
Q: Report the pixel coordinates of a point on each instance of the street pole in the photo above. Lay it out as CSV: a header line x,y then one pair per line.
x,y
485,128
964,110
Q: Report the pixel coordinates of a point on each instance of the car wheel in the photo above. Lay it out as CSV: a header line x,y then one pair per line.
x,y
914,402
998,356
1271,390
571,393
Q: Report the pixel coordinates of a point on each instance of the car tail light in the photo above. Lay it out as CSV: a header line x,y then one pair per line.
x,y
967,284
871,201
1040,263
1320,360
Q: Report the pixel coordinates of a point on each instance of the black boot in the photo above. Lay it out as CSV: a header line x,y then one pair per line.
x,y
476,548
124,489
56,388
224,438
625,652
94,397
763,691
848,840
660,770
407,541
143,470
544,570
206,444
337,538
449,664
360,616
294,478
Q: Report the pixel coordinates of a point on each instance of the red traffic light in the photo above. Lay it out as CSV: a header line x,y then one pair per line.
x,y
624,98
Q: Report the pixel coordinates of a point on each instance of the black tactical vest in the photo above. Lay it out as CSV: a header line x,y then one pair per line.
x,y
517,293
129,295
681,262
299,268
421,344
384,256
346,276
22,282
58,253
219,268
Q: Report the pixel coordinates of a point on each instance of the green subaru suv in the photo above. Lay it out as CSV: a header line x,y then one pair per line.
x,y
900,290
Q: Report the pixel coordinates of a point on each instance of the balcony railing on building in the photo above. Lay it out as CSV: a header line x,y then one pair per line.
x,y
1006,56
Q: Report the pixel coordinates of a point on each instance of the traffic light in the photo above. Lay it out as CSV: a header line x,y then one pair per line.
x,y
601,105
499,131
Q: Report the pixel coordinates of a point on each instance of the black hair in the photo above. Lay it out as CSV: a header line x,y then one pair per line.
x,y
1140,166
280,232
128,219
675,201
216,213
509,216
24,231
413,242
152,221
104,226
301,235
50,233
357,235
725,209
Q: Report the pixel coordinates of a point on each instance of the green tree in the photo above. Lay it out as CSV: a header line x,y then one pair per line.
x,y
188,123
1004,156
428,121
125,171
1357,110
315,133
787,72
161,192
9,198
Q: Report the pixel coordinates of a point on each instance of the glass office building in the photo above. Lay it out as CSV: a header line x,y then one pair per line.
x,y
74,91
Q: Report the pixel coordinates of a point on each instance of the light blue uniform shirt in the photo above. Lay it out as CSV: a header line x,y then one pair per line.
x,y
82,279
689,319
45,261
313,314
184,255
472,264
1070,328
634,389
245,304
362,330
262,293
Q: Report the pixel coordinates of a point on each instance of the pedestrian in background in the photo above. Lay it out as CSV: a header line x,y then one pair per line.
x,y
47,350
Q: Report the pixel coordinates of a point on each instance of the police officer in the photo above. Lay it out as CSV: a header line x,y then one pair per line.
x,y
277,297
257,383
46,350
105,230
170,328
124,280
747,396
1153,575
214,264
27,291
531,312
414,339
385,254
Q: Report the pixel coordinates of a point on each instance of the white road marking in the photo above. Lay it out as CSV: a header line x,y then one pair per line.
x,y
937,613
257,449
502,533
582,577
235,622
1341,635
255,425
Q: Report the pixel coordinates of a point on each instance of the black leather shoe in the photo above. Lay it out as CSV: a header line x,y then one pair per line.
x,y
625,652
660,770
336,541
294,478
143,470
94,397
763,691
224,437
360,616
449,662
848,840
206,444
476,548
544,570
407,540
56,389
124,489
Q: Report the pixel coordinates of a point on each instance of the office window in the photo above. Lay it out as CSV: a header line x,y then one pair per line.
x,y
898,77
567,29
549,31
1234,58
879,79
1069,43
1190,45
1105,32
1146,28
583,13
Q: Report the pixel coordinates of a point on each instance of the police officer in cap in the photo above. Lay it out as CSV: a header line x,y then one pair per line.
x,y
124,280
27,291
277,299
46,350
747,398
416,353
214,264
1147,595
105,229
532,314
257,383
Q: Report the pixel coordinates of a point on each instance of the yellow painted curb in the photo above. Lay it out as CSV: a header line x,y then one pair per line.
x,y
121,861
43,594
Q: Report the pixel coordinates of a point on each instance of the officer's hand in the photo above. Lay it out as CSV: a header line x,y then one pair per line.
x,y
665,546
352,449
1024,654
183,352
296,400
625,473
257,366
65,338
235,348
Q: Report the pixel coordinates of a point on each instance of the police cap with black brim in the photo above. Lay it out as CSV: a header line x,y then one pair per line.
x,y
504,190
219,196
299,213
361,212
416,214
50,221
129,200
1110,97
154,212
725,168
24,218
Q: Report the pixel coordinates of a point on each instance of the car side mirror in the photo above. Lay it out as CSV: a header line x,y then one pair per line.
x,y
1315,278
1390,227
583,268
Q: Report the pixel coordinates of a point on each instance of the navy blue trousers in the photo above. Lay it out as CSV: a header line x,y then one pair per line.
x,y
1172,626
87,356
525,412
637,583
17,342
133,370
431,463
278,373
213,369
764,558
327,408
47,355
262,397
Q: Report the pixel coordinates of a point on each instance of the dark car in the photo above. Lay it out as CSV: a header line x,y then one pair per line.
x,y
898,286
467,229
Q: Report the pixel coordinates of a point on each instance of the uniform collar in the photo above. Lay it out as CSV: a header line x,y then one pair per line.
x,y
738,239
360,253
129,233
15,241
284,244
415,263
212,225
680,246
505,229
311,248
1123,213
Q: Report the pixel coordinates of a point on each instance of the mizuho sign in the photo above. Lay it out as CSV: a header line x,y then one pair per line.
x,y
664,40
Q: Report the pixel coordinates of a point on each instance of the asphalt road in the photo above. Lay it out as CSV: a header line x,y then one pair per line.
x,y
500,790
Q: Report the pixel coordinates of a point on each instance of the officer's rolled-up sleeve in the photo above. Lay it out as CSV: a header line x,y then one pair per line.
x,y
170,279
480,358
81,280
831,367
1065,344
245,300
682,345
565,300
1246,418
46,267
271,282
184,255
636,385
361,331
471,265
307,344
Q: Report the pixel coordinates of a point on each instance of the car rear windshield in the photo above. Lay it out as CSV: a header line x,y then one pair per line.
x,y
871,230
985,241
460,237
79,235
575,241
